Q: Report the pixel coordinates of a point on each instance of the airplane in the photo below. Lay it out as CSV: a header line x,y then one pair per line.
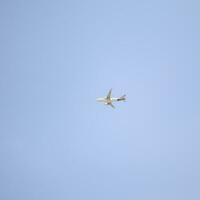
x,y
108,100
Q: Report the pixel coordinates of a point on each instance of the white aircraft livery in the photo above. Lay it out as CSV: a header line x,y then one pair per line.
x,y
108,100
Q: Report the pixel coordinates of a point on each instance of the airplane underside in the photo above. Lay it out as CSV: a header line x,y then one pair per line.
x,y
109,100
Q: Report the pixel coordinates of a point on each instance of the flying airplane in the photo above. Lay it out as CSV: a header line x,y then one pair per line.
x,y
108,100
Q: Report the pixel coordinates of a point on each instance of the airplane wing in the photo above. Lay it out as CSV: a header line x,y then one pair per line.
x,y
112,105
109,94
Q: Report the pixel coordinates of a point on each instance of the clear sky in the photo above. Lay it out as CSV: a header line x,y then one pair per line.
x,y
57,142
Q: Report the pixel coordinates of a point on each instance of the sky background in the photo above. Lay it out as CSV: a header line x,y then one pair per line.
x,y
57,142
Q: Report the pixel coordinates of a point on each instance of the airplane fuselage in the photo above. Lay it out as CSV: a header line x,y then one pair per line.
x,y
108,101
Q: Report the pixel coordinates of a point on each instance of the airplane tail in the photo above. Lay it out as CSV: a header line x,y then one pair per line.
x,y
122,98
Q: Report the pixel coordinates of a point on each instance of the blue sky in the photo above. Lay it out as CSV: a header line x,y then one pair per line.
x,y
57,142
